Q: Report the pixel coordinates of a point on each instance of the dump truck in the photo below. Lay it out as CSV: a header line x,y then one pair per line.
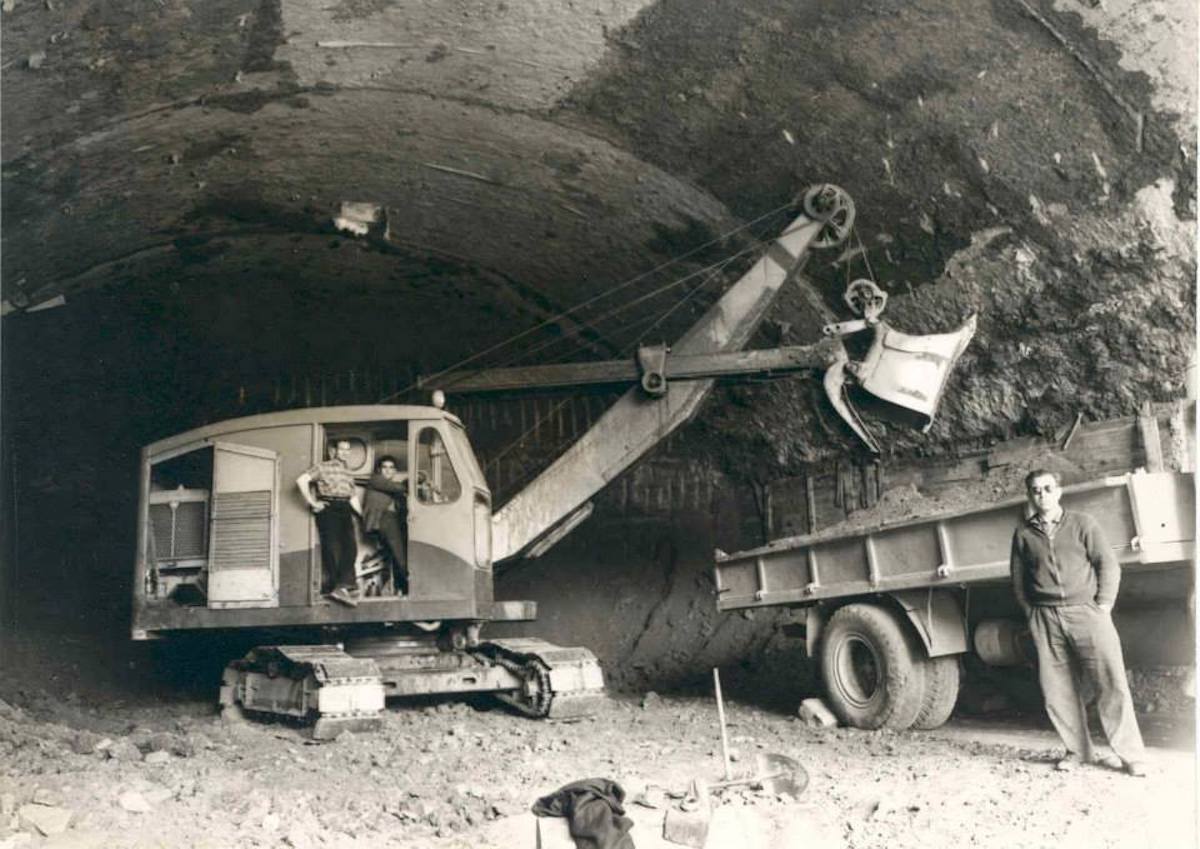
x,y
227,543
889,611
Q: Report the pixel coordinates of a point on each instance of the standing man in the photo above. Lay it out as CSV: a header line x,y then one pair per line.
x,y
334,509
1065,579
385,514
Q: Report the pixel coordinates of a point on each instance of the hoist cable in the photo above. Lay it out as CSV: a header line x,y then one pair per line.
x,y
554,319
628,305
714,271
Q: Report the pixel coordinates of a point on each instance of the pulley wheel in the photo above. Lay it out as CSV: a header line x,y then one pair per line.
x,y
865,298
832,206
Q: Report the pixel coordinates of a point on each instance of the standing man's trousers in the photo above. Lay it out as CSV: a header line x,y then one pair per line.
x,y
393,532
1079,658
335,527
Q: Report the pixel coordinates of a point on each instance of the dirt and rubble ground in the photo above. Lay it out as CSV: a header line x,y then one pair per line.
x,y
110,759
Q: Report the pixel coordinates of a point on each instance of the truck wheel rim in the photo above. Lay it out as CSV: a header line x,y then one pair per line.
x,y
858,671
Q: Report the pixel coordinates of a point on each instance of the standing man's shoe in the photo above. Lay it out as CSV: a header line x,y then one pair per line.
x,y
1068,763
343,595
1135,768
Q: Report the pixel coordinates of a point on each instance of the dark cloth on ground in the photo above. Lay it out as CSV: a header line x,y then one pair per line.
x,y
594,812
335,527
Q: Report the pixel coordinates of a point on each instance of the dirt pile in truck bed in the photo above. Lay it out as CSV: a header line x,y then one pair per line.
x,y
907,502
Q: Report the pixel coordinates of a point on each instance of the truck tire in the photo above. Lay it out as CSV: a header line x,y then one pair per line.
x,y
939,693
873,674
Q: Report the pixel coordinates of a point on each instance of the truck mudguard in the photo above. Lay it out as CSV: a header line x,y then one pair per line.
x,y
937,618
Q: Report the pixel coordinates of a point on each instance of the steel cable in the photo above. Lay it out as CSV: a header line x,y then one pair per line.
x,y
553,319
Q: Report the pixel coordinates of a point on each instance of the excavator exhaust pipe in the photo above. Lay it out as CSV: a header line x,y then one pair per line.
x,y
901,379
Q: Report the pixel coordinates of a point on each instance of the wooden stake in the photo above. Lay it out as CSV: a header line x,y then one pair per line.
x,y
721,717
1151,440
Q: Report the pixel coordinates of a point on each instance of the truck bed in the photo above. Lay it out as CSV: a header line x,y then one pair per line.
x,y
1148,518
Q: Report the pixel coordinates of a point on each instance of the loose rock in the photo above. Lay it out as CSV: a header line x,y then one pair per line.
x,y
814,712
123,750
45,796
134,802
47,819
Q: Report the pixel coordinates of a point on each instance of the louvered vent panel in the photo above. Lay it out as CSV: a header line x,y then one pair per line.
x,y
191,531
242,530
160,524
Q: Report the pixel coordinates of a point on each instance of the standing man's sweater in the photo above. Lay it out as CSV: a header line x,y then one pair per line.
x,y
1062,562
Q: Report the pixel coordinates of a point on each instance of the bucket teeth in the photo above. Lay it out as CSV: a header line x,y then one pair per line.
x,y
835,388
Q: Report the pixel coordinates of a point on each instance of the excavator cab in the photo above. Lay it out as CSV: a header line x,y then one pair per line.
x,y
227,541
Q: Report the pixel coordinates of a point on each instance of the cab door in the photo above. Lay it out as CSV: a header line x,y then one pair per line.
x,y
243,565
441,544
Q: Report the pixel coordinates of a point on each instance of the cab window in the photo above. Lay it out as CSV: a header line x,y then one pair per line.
x,y
359,461
437,482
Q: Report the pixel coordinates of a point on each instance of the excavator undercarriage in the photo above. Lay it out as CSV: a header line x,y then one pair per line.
x,y
344,686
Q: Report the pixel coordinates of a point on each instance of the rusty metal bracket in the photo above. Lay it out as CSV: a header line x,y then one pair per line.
x,y
845,328
652,365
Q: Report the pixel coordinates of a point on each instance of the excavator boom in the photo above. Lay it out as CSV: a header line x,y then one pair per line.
x,y
636,423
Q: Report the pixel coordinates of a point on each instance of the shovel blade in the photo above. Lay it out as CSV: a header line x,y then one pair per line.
x,y
781,775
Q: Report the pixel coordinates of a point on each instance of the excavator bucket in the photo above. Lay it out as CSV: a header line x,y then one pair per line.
x,y
909,373
902,377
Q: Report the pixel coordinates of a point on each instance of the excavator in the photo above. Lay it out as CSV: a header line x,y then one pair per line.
x,y
226,543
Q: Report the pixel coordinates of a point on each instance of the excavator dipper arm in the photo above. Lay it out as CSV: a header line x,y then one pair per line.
x,y
769,362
